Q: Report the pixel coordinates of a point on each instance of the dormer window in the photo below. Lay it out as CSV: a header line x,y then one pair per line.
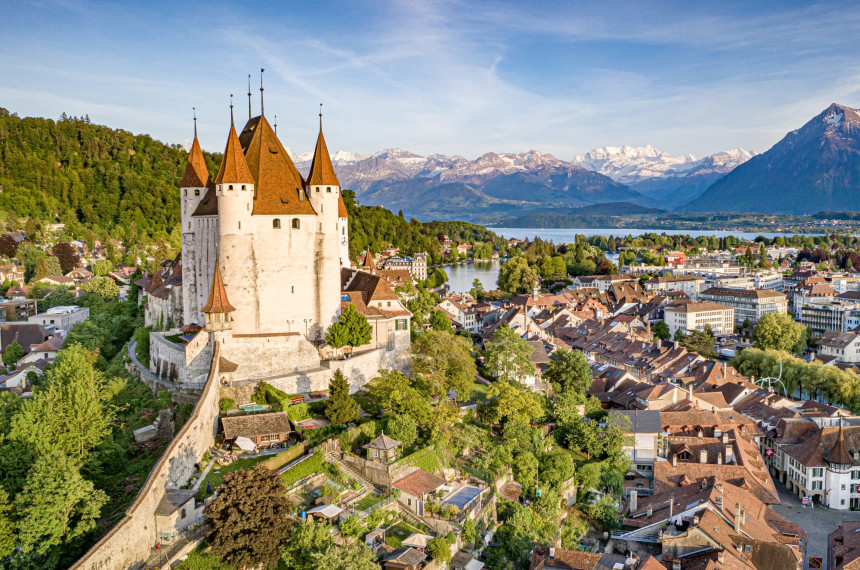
x,y
301,194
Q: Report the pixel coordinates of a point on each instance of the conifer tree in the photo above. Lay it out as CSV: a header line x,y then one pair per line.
x,y
340,407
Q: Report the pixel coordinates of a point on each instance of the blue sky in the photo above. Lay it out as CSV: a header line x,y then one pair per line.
x,y
440,77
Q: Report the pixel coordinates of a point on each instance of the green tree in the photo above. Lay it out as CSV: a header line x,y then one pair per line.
x,y
351,527
508,356
679,335
14,352
470,532
512,402
526,469
775,331
445,362
402,428
104,287
701,342
340,407
249,521
439,550
477,290
568,370
356,556
421,306
395,393
337,336
7,526
56,505
359,330
553,268
102,267
310,537
47,265
440,322
72,414
661,330
515,276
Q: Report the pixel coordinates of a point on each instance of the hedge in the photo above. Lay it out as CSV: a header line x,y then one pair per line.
x,y
312,464
277,461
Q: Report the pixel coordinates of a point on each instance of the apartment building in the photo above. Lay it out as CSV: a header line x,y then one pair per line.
x,y
694,316
60,320
749,304
826,316
689,284
840,346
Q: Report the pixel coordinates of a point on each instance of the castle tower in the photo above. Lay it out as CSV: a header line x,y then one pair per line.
x,y
192,188
323,189
343,231
218,309
234,188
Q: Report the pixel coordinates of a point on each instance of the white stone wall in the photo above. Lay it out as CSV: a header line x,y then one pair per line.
x,y
206,237
343,232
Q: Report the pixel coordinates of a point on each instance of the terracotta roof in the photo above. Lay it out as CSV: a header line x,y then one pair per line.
x,y
234,169
839,453
217,302
368,264
196,174
279,187
254,425
225,365
419,483
322,170
341,206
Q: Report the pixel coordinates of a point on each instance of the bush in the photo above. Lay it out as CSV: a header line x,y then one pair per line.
x,y
164,399
277,461
298,412
226,404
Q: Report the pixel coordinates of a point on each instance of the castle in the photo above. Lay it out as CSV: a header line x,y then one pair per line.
x,y
276,244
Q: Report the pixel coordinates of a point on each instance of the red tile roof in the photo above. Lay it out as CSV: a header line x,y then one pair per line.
x,y
322,170
419,483
196,174
217,302
233,169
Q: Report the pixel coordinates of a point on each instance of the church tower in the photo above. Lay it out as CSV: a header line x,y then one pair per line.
x,y
234,188
192,188
323,189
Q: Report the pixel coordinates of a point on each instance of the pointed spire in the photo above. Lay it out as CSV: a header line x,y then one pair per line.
x,y
234,169
262,108
322,170
276,124
217,302
249,96
368,264
839,453
231,108
196,173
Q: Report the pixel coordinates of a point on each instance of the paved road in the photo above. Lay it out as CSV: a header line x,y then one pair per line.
x,y
817,522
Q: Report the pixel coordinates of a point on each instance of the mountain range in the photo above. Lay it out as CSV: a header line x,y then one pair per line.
x,y
814,168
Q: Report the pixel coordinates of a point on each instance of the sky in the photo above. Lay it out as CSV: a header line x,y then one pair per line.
x,y
439,77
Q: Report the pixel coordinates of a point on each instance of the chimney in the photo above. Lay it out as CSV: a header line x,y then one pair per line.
x,y
675,345
552,553
719,503
719,487
674,460
719,458
671,507
700,434
737,518
634,500
719,557
676,565
730,456
695,520
725,371
703,456
725,438
650,511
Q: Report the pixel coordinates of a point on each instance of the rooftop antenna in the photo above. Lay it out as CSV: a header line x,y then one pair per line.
x,y
231,108
194,109
262,112
276,124
320,117
249,96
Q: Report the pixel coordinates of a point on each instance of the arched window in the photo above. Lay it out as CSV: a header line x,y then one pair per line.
x,y
244,187
343,230
183,514
296,223
230,187
276,224
328,189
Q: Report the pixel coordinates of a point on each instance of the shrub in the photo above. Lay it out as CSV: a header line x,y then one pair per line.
x,y
297,412
313,464
277,461
164,399
226,404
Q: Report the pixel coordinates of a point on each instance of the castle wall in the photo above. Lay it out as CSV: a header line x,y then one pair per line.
x,y
167,312
262,356
129,544
206,239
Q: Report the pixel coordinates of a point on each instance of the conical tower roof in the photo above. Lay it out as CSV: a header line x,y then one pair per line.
x,y
196,174
217,302
341,207
368,264
322,170
839,453
234,169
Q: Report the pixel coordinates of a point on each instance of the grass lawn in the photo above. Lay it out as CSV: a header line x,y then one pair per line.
x,y
479,392
369,501
218,477
395,535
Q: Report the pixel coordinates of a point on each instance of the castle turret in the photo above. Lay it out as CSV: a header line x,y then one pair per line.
x,y
217,308
192,188
323,189
234,187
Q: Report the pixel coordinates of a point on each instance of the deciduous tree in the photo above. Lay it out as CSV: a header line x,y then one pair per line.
x,y
774,331
445,362
359,330
508,356
13,353
568,370
104,287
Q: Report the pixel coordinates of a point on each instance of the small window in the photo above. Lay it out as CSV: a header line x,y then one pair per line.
x,y
292,289
197,191
183,514
318,189
296,223
186,192
328,189
276,224
230,187
240,225
343,230
244,187
301,194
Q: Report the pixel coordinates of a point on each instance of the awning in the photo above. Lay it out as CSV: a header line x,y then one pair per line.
x,y
244,443
417,540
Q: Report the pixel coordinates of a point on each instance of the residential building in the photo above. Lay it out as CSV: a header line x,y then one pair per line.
x,y
416,265
694,316
839,346
827,315
749,304
17,309
843,547
60,320
416,489
264,430
689,284
645,444
812,294
769,280
461,310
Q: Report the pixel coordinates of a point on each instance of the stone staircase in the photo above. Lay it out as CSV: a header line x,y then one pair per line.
x,y
334,458
409,516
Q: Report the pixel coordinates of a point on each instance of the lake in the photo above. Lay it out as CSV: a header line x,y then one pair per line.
x,y
559,236
461,275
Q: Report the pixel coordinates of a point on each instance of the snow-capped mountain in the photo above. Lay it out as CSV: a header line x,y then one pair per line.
x,y
399,179
658,174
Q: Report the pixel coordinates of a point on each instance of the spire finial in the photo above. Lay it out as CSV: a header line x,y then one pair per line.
x,y
276,124
262,111
320,117
194,109
231,109
249,96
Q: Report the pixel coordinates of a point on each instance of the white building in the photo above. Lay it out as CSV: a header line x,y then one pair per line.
x,y
843,346
694,316
769,280
416,265
60,320
749,304
689,284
